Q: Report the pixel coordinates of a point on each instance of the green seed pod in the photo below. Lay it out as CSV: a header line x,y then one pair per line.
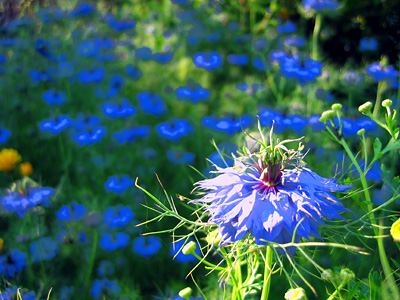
x,y
347,275
189,248
337,106
185,293
296,294
361,132
387,103
365,108
327,275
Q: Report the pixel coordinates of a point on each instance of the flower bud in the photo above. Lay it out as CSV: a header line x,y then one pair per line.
x,y
387,103
347,275
337,106
189,248
365,108
213,238
327,275
327,115
395,231
296,294
361,131
185,293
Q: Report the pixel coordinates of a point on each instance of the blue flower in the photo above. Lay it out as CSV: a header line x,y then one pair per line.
x,y
43,249
94,75
105,288
238,59
146,245
122,110
294,41
163,58
260,44
86,122
320,4
54,97
287,27
105,268
180,157
380,73
119,25
89,137
15,292
116,84
5,134
129,135
175,129
21,201
229,125
71,214
259,64
144,53
195,95
83,9
133,72
118,184
368,44
209,61
56,125
268,198
118,216
12,264
151,103
38,76
303,69
110,243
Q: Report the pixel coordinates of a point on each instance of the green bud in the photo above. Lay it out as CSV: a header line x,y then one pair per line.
x,y
347,275
365,108
296,294
327,275
185,293
361,131
327,115
213,238
323,118
189,248
387,103
337,106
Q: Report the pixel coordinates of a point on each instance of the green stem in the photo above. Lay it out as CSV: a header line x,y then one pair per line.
x,y
64,157
267,274
382,254
91,261
337,291
317,29
378,100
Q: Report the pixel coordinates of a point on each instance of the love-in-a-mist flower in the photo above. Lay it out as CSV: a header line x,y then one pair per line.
x,y
271,195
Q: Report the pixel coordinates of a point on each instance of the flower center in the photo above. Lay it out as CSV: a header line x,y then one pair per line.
x,y
271,176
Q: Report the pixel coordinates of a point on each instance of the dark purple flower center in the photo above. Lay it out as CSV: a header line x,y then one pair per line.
x,y
271,176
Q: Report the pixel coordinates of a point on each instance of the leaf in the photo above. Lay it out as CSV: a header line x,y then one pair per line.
x,y
377,149
375,283
392,145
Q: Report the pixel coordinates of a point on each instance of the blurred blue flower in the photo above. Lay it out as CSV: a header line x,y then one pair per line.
x,y
122,110
118,184
93,75
89,137
353,78
129,135
43,249
380,73
104,288
294,41
118,216
287,27
209,61
83,9
146,245
15,292
106,268
88,48
176,252
119,25
5,134
151,103
382,195
303,69
163,58
368,44
238,59
260,44
111,243
54,97
269,202
259,64
68,213
320,4
144,53
13,263
174,129
195,95
323,94
43,47
38,76
133,72
83,122
21,201
229,125
180,157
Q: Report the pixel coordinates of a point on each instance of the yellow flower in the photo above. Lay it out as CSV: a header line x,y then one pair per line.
x,y
395,231
26,169
9,159
296,294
